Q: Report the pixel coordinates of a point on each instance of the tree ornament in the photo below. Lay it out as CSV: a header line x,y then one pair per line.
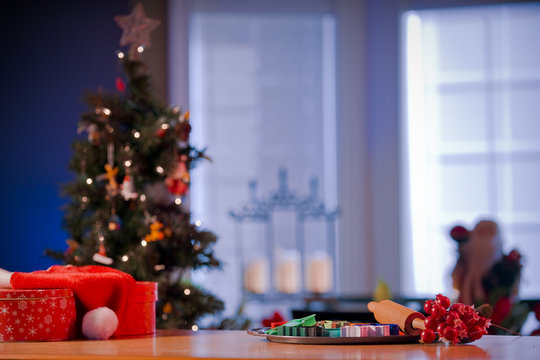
x,y
93,132
115,223
110,175
156,232
120,86
101,256
163,126
73,245
182,130
137,28
128,189
167,308
178,181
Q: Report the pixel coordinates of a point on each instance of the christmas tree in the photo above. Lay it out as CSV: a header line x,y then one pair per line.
x,y
126,206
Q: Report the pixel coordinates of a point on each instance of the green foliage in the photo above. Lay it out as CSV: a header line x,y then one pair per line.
x,y
140,136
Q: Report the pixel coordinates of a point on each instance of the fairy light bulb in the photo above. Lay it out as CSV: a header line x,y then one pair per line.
x,y
127,163
125,258
120,55
84,199
106,111
187,292
140,49
101,238
89,181
195,328
178,201
142,198
136,134
159,169
144,243
198,223
164,126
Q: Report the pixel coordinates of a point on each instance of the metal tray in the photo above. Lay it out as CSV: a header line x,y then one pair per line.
x,y
319,340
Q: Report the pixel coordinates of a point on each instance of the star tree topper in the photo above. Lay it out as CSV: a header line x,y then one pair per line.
x,y
137,28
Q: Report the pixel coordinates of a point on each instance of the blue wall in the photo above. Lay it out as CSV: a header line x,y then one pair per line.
x,y
52,53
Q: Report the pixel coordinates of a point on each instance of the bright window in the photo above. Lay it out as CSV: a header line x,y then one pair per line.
x,y
262,98
472,136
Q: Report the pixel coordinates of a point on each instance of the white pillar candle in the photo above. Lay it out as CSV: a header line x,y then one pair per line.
x,y
257,276
288,272
319,274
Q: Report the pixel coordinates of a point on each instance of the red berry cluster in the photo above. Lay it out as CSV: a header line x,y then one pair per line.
x,y
457,323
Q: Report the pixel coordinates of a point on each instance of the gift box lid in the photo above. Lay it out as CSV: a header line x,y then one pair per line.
x,y
144,291
34,294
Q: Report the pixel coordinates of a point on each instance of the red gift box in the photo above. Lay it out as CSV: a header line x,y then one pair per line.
x,y
140,315
37,315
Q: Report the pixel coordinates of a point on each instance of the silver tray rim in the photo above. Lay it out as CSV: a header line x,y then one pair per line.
x,y
319,340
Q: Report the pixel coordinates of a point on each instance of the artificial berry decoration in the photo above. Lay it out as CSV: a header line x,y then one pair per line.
x,y
444,301
427,336
452,323
427,306
431,323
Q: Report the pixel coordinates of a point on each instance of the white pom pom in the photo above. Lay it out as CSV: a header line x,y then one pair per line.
x,y
99,324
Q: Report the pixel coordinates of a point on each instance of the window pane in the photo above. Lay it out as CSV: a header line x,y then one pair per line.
x,y
472,135
261,99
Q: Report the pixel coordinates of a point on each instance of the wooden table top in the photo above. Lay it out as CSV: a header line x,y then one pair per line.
x,y
183,344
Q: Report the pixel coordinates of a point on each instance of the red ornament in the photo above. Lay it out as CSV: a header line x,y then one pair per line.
x,y
120,86
177,187
102,251
178,181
